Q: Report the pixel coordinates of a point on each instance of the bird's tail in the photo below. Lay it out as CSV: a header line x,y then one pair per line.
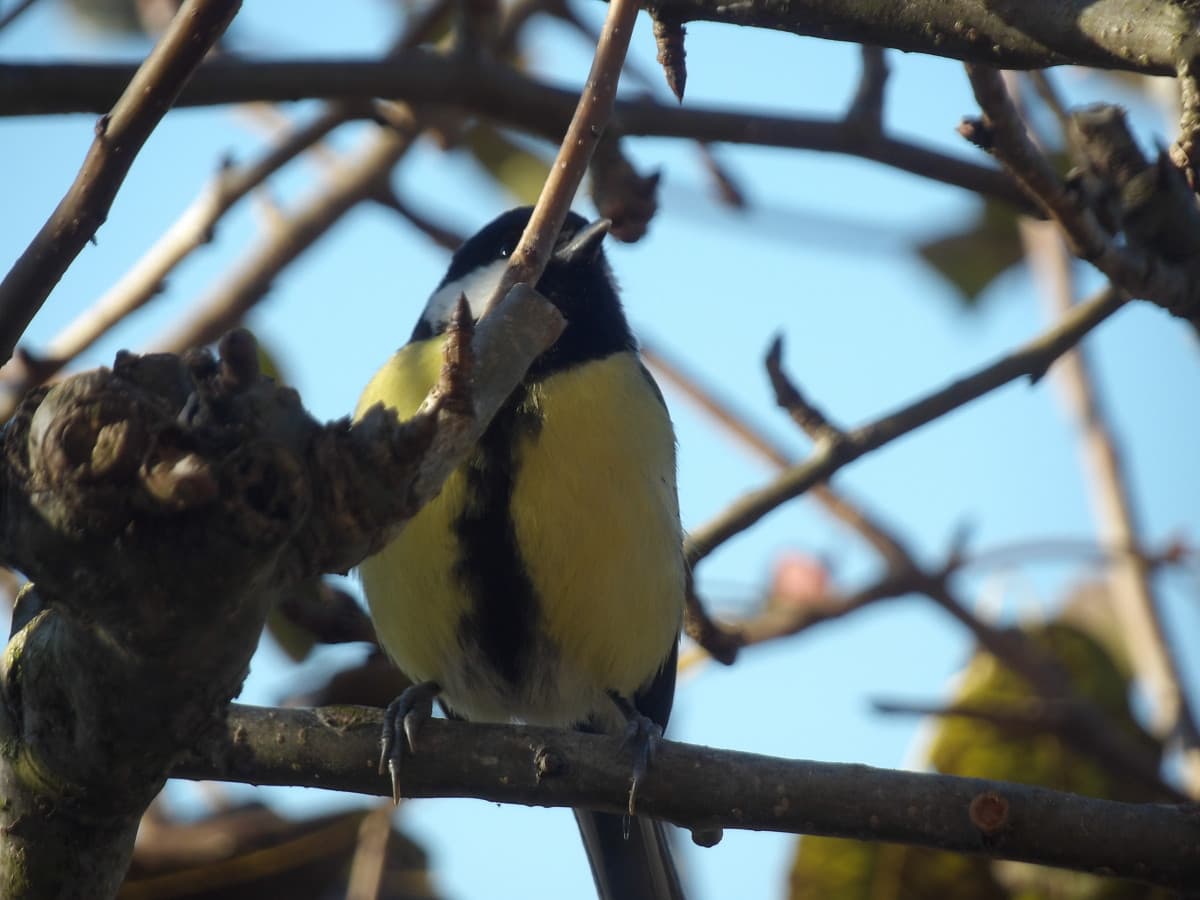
x,y
629,861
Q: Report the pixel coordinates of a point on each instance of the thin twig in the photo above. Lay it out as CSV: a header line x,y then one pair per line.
x,y
1048,93
137,287
352,182
119,136
1024,716
738,424
9,17
1052,548
198,223
369,863
1087,729
1032,360
441,235
587,125
866,109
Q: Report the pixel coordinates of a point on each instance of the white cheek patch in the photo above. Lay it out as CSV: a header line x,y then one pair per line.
x,y
478,286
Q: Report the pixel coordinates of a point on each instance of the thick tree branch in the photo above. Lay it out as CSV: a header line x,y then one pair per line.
x,y
119,136
700,787
1107,34
492,90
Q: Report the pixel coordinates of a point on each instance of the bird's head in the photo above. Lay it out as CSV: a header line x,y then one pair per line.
x,y
577,281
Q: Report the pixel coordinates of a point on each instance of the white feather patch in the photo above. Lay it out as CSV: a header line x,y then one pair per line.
x,y
478,287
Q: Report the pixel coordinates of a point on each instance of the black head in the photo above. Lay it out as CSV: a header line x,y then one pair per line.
x,y
577,280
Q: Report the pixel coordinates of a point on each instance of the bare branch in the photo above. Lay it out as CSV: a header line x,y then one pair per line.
x,y
142,283
1089,732
497,92
1173,554
866,109
1031,360
702,787
836,503
119,136
1018,717
1131,265
348,184
1106,34
583,134
10,16
1135,605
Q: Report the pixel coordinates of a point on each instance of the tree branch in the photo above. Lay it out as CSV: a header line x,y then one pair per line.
x,y
1106,34
119,136
588,122
349,183
491,90
11,15
1032,360
700,787
146,278
1155,258
1135,605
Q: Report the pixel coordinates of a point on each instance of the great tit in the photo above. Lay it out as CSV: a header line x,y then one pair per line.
x,y
545,583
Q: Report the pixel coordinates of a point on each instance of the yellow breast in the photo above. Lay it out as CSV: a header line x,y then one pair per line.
x,y
596,520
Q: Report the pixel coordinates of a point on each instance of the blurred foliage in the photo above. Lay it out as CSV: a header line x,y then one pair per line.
x,y
835,869
971,258
518,170
250,853
975,748
121,18
107,16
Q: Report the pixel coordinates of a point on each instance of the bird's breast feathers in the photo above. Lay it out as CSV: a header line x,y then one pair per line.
x,y
592,507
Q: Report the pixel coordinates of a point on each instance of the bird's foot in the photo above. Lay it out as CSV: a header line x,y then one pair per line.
x,y
401,722
642,736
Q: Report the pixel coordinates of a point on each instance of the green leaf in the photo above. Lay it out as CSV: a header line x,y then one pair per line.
x,y
969,259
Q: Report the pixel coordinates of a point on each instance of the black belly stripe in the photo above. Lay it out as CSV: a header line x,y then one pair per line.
x,y
504,616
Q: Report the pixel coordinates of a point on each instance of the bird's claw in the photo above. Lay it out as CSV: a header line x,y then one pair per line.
x,y
403,718
642,736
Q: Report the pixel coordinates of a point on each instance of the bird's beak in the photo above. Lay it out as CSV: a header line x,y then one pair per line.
x,y
584,247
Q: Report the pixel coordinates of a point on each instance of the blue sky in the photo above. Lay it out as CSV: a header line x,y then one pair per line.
x,y
822,256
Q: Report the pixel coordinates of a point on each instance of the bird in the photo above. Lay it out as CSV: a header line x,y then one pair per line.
x,y
545,584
